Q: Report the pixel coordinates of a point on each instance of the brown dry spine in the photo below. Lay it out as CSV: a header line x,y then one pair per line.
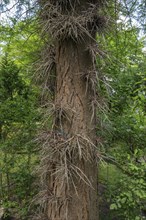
x,y
45,72
72,25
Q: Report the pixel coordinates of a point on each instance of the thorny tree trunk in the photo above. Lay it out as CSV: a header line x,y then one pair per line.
x,y
71,175
72,95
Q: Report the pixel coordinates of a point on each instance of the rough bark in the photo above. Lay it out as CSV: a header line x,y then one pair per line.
x,y
74,96
72,177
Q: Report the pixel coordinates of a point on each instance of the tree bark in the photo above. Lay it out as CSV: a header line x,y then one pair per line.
x,y
74,97
72,178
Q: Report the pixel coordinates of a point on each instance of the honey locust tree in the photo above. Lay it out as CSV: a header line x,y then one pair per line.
x,y
69,148
71,95
68,69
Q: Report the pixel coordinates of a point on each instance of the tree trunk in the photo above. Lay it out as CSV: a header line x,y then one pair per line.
x,y
71,179
76,121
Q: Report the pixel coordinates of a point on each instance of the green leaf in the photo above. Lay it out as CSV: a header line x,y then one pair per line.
x,y
113,206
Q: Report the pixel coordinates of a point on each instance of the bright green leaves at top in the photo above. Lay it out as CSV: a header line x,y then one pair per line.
x,y
22,42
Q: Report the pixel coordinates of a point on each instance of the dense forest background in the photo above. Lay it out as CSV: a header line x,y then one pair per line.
x,y
121,110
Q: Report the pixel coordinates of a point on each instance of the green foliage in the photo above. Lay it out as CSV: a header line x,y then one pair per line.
x,y
19,119
126,135
19,115
129,200
11,84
